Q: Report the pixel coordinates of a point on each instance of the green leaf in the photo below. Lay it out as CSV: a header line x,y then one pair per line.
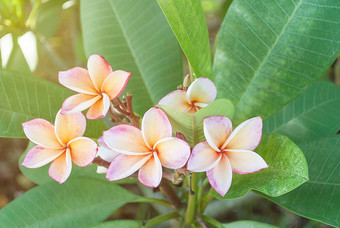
x,y
314,114
268,52
134,38
318,198
247,224
287,169
191,126
187,21
48,17
76,203
120,224
25,97
40,175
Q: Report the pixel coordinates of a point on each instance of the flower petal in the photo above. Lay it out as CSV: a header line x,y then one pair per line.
x,y
176,99
203,158
61,167
101,142
217,130
83,151
106,154
99,109
155,126
126,139
77,79
69,126
246,136
115,83
99,69
245,161
220,176
39,156
150,174
125,165
41,132
173,153
202,90
78,103
101,169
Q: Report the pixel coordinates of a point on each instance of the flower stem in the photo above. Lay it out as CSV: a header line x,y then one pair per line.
x,y
125,107
99,161
160,219
206,200
212,221
191,209
170,194
153,200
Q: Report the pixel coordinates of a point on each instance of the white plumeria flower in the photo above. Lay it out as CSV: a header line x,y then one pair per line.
x,y
146,150
60,144
227,151
96,86
105,153
199,94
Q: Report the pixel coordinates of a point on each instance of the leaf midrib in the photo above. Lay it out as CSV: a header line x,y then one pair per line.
x,y
268,53
304,113
131,50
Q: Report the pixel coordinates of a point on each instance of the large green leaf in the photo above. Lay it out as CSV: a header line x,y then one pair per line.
x,y
314,114
318,198
134,38
40,175
25,97
76,203
287,169
187,21
268,52
120,224
191,126
247,224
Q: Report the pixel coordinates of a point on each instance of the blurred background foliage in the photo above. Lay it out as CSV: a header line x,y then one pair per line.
x,y
44,37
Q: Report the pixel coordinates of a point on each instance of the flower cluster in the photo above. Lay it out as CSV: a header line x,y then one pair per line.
x,y
148,149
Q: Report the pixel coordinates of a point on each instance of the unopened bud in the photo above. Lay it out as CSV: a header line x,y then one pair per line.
x,y
186,81
181,136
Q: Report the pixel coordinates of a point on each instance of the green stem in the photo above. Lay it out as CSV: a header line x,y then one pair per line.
x,y
31,20
153,200
191,72
160,219
212,221
199,195
191,209
206,200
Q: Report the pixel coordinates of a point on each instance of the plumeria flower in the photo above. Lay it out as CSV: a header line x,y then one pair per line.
x,y
227,151
105,153
199,94
146,150
96,86
60,144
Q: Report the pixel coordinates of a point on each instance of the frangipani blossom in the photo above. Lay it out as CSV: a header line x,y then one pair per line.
x,y
105,153
60,144
199,94
96,86
146,150
227,151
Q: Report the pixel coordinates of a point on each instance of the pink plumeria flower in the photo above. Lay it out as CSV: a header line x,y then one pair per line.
x,y
96,86
60,144
227,151
105,153
199,94
147,150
